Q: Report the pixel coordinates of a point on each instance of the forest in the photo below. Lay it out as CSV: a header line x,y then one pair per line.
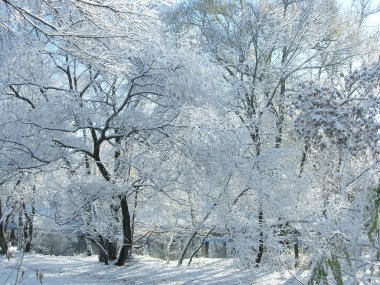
x,y
251,122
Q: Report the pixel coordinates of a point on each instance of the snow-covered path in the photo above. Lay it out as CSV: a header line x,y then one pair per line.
x,y
143,270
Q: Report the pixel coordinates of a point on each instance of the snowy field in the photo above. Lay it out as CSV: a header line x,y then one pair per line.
x,y
59,270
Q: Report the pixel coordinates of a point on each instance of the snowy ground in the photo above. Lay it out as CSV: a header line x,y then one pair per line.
x,y
59,270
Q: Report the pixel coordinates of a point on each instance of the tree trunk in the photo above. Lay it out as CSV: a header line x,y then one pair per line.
x,y
200,245
3,241
280,115
20,234
261,239
183,253
28,228
304,157
111,245
296,253
126,248
111,249
103,254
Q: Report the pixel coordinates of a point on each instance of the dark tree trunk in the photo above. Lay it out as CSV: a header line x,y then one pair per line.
x,y
103,254
280,115
256,139
187,245
88,207
296,253
20,235
125,251
304,157
261,239
110,248
28,246
255,136
3,241
28,228
205,253
200,246
88,218
103,249
126,248
13,235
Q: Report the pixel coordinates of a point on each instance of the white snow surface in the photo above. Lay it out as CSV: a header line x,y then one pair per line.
x,y
59,270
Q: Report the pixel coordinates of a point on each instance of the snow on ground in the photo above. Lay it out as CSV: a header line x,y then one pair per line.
x,y
60,270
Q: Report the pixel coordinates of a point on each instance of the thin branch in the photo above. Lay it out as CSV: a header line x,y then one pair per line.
x,y
17,95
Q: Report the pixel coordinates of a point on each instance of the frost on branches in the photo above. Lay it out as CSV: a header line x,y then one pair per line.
x,y
134,122
339,123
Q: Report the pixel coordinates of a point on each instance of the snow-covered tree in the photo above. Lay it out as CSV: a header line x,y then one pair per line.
x,y
339,122
266,47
